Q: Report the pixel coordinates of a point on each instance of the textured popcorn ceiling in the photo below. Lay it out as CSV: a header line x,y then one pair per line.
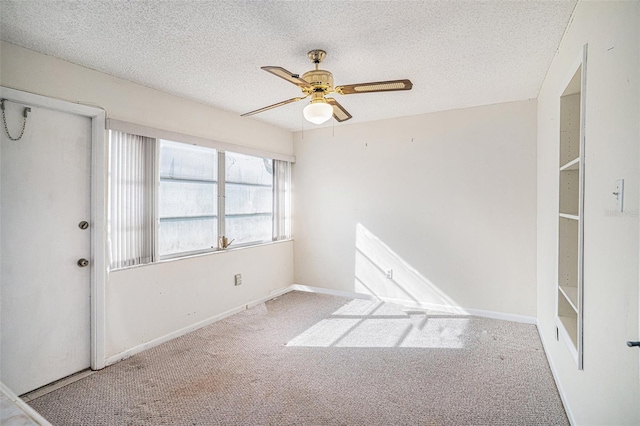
x,y
457,54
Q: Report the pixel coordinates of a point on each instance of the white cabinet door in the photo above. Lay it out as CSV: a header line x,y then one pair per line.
x,y
45,295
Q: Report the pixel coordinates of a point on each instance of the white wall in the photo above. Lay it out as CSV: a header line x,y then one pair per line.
x,y
447,200
608,390
30,71
146,303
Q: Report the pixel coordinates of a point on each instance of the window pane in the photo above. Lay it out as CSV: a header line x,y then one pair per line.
x,y
248,229
183,235
248,198
179,160
243,199
187,198
248,169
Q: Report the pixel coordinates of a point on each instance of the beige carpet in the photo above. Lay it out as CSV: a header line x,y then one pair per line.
x,y
307,359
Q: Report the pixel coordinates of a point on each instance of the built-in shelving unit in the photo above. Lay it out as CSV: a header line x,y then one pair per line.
x,y
571,212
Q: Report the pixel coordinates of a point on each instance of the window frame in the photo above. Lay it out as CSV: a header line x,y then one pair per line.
x,y
220,147
223,228
221,184
158,181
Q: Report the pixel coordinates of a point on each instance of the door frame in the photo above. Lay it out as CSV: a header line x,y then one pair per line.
x,y
98,207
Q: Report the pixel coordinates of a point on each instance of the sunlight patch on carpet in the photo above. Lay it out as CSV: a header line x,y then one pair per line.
x,y
374,324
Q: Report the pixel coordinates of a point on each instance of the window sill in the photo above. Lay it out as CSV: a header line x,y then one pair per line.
x,y
202,254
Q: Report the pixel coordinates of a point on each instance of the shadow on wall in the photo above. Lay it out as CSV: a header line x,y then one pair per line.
x,y
381,272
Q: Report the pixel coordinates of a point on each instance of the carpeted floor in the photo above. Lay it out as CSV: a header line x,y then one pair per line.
x,y
309,359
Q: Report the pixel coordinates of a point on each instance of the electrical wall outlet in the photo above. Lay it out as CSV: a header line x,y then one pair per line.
x,y
238,278
389,274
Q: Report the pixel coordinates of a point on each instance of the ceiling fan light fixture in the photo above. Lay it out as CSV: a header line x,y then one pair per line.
x,y
317,112
317,83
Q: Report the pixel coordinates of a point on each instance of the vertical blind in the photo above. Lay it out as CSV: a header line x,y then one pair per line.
x,y
131,221
281,200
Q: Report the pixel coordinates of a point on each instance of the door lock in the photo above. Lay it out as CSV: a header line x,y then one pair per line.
x,y
83,225
83,262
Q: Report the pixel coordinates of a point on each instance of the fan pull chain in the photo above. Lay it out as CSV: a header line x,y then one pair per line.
x,y
4,121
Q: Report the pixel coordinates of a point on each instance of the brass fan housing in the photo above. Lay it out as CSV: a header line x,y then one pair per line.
x,y
321,80
318,97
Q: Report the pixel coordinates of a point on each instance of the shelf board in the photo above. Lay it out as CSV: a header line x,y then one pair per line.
x,y
571,294
571,165
568,327
570,216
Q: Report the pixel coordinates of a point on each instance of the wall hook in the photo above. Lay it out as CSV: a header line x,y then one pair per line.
x,y
25,113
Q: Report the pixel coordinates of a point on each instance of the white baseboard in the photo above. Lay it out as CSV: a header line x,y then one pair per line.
x,y
503,316
272,294
563,396
457,310
332,292
160,340
320,290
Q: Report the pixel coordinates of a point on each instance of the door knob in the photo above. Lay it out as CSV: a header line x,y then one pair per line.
x,y
632,344
83,262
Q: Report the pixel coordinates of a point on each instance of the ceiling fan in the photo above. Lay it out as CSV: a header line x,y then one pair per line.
x,y
318,83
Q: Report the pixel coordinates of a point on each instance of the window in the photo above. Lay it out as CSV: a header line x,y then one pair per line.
x,y
187,198
248,198
173,199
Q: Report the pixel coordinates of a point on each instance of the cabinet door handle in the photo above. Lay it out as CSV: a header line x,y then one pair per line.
x,y
632,344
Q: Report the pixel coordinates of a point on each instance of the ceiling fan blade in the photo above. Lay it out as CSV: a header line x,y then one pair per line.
x,y
288,101
339,113
286,75
378,86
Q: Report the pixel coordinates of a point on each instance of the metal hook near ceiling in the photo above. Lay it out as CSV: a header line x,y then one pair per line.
x,y
25,113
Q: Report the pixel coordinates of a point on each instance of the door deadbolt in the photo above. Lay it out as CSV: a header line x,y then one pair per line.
x,y
83,262
83,225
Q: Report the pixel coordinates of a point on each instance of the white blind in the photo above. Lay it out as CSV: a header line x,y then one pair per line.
x,y
281,200
132,171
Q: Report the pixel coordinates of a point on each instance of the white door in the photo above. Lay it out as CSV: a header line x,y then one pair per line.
x,y
44,195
